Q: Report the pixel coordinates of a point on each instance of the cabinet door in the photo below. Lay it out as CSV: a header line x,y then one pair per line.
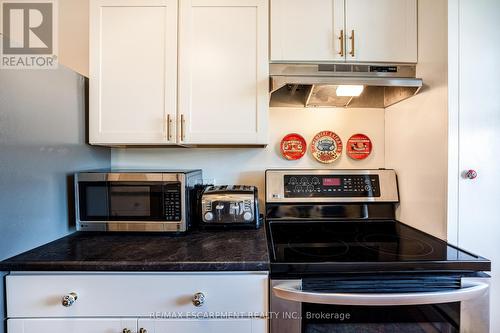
x,y
133,71
103,325
381,30
223,59
307,30
240,325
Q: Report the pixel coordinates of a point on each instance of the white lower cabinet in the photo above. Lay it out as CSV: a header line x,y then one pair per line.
x,y
137,303
254,325
131,325
87,325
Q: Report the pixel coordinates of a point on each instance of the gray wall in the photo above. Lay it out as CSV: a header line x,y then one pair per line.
x,y
2,298
42,142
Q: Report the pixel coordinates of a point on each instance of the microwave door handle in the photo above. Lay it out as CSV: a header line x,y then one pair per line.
x,y
292,292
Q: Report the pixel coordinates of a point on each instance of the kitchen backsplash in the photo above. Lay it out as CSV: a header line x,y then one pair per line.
x,y
247,165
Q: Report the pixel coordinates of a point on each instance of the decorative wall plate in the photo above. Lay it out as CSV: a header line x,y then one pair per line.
x,y
326,147
359,147
293,146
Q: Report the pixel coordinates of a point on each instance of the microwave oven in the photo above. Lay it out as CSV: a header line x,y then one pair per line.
x,y
136,201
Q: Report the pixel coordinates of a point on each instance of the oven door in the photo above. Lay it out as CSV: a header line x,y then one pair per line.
x,y
464,310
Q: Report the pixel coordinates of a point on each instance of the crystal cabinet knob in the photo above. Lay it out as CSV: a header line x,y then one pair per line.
x,y
198,299
69,299
470,174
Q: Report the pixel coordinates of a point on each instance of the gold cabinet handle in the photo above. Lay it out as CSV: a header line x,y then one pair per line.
x,y
168,126
341,39
183,121
352,53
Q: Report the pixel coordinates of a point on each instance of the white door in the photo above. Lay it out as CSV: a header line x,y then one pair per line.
x,y
307,30
223,72
90,325
381,30
204,325
133,71
475,125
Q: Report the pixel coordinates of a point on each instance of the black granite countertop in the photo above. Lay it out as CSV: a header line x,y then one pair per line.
x,y
217,250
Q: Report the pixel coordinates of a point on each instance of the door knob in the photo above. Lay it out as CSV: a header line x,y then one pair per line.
x,y
470,174
69,299
198,299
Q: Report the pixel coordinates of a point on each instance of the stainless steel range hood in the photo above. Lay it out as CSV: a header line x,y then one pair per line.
x,y
315,85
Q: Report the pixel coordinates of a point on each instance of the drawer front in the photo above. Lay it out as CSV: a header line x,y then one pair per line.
x,y
87,325
139,295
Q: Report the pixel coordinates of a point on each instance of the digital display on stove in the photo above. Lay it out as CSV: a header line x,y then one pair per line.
x,y
332,181
328,186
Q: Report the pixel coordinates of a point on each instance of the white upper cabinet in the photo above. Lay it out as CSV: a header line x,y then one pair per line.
x,y
133,71
381,30
344,30
307,30
212,90
223,72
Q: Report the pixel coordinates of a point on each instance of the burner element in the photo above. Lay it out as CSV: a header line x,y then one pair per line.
x,y
396,245
334,248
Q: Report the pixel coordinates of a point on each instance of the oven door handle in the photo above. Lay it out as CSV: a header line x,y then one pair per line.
x,y
293,292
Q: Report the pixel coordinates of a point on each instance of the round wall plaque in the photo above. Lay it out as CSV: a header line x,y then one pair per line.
x,y
326,147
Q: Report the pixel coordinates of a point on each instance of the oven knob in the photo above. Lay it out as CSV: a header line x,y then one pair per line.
x,y
209,216
247,216
368,188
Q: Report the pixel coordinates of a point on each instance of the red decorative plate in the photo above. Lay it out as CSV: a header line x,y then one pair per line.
x,y
359,147
293,147
326,147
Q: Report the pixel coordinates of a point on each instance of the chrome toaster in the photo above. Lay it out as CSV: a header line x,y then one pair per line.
x,y
230,206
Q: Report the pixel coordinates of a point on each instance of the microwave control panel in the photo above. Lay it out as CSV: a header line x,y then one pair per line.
x,y
172,200
328,186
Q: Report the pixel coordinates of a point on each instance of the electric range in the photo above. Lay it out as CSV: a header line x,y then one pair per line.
x,y
341,262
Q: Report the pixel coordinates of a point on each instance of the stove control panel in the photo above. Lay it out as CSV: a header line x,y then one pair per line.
x,y
331,186
321,186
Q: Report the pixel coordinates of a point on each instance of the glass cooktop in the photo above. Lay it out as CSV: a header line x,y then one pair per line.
x,y
365,242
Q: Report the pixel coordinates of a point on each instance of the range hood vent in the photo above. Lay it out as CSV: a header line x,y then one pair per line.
x,y
315,85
